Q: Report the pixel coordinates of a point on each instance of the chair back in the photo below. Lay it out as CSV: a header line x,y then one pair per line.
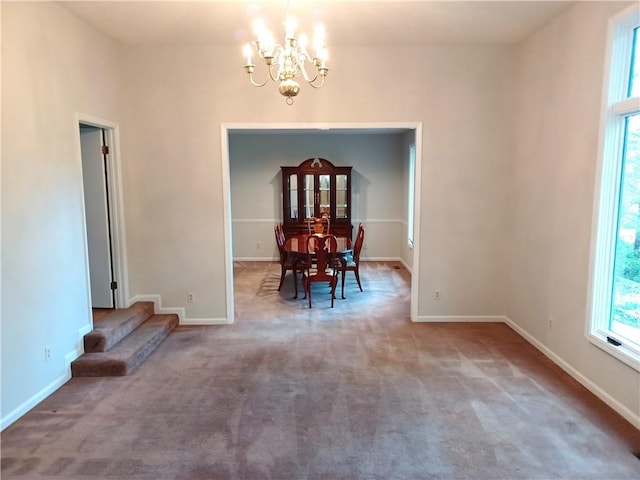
x,y
280,233
323,249
319,225
280,241
357,246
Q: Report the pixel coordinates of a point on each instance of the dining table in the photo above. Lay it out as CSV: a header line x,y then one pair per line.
x,y
296,247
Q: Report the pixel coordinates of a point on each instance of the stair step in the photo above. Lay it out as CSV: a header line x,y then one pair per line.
x,y
108,330
124,357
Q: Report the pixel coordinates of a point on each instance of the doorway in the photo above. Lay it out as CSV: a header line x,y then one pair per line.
x,y
102,206
95,181
227,129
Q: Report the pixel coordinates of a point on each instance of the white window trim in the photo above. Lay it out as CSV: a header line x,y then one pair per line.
x,y
411,195
615,108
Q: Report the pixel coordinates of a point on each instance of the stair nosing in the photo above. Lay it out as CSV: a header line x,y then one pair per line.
x,y
157,327
104,337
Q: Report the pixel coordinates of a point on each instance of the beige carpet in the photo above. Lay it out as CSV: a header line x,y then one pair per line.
x,y
353,392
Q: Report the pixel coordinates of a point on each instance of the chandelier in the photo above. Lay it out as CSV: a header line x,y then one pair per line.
x,y
290,60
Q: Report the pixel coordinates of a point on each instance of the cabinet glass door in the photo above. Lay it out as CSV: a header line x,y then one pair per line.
x,y
316,188
341,196
309,196
324,182
293,196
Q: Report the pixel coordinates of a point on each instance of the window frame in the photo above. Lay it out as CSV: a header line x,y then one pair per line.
x,y
411,194
617,106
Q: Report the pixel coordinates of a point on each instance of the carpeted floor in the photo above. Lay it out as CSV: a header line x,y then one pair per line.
x,y
355,392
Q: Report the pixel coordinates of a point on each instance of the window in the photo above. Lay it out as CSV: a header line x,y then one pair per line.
x,y
614,316
411,199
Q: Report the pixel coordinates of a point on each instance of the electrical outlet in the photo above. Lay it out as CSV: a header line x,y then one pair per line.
x,y
550,323
365,245
436,294
257,245
47,354
191,297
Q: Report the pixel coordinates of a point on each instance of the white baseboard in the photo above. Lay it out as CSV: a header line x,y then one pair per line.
x,y
179,311
79,350
204,321
255,259
49,389
70,357
364,258
404,264
461,318
157,306
84,330
630,416
28,405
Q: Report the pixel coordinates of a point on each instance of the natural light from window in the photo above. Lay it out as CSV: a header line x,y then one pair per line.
x,y
411,199
625,312
634,83
614,316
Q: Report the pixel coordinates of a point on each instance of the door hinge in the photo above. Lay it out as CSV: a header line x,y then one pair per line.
x,y
114,285
105,149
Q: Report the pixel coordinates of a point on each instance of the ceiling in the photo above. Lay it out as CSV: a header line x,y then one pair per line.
x,y
347,22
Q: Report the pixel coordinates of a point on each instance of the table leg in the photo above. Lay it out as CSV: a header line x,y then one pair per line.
x,y
296,267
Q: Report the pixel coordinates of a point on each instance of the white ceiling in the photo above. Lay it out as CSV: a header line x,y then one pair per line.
x,y
347,22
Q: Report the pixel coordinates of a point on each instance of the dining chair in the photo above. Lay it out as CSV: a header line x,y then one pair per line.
x,y
286,262
352,262
323,249
280,233
319,225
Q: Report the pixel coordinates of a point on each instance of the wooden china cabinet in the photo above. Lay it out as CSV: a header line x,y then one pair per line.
x,y
313,188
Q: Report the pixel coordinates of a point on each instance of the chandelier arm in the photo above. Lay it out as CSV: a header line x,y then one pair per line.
x,y
256,84
321,83
306,75
274,62
275,79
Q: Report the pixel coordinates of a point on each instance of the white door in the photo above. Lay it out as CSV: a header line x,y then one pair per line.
x,y
97,216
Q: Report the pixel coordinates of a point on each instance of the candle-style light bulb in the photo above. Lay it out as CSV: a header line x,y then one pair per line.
x,y
304,41
322,55
318,38
268,42
247,53
290,26
259,28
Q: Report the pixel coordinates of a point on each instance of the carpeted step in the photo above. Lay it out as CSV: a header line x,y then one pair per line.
x,y
124,357
110,329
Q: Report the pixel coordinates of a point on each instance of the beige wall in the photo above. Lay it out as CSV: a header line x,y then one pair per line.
x,y
53,67
560,72
173,168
